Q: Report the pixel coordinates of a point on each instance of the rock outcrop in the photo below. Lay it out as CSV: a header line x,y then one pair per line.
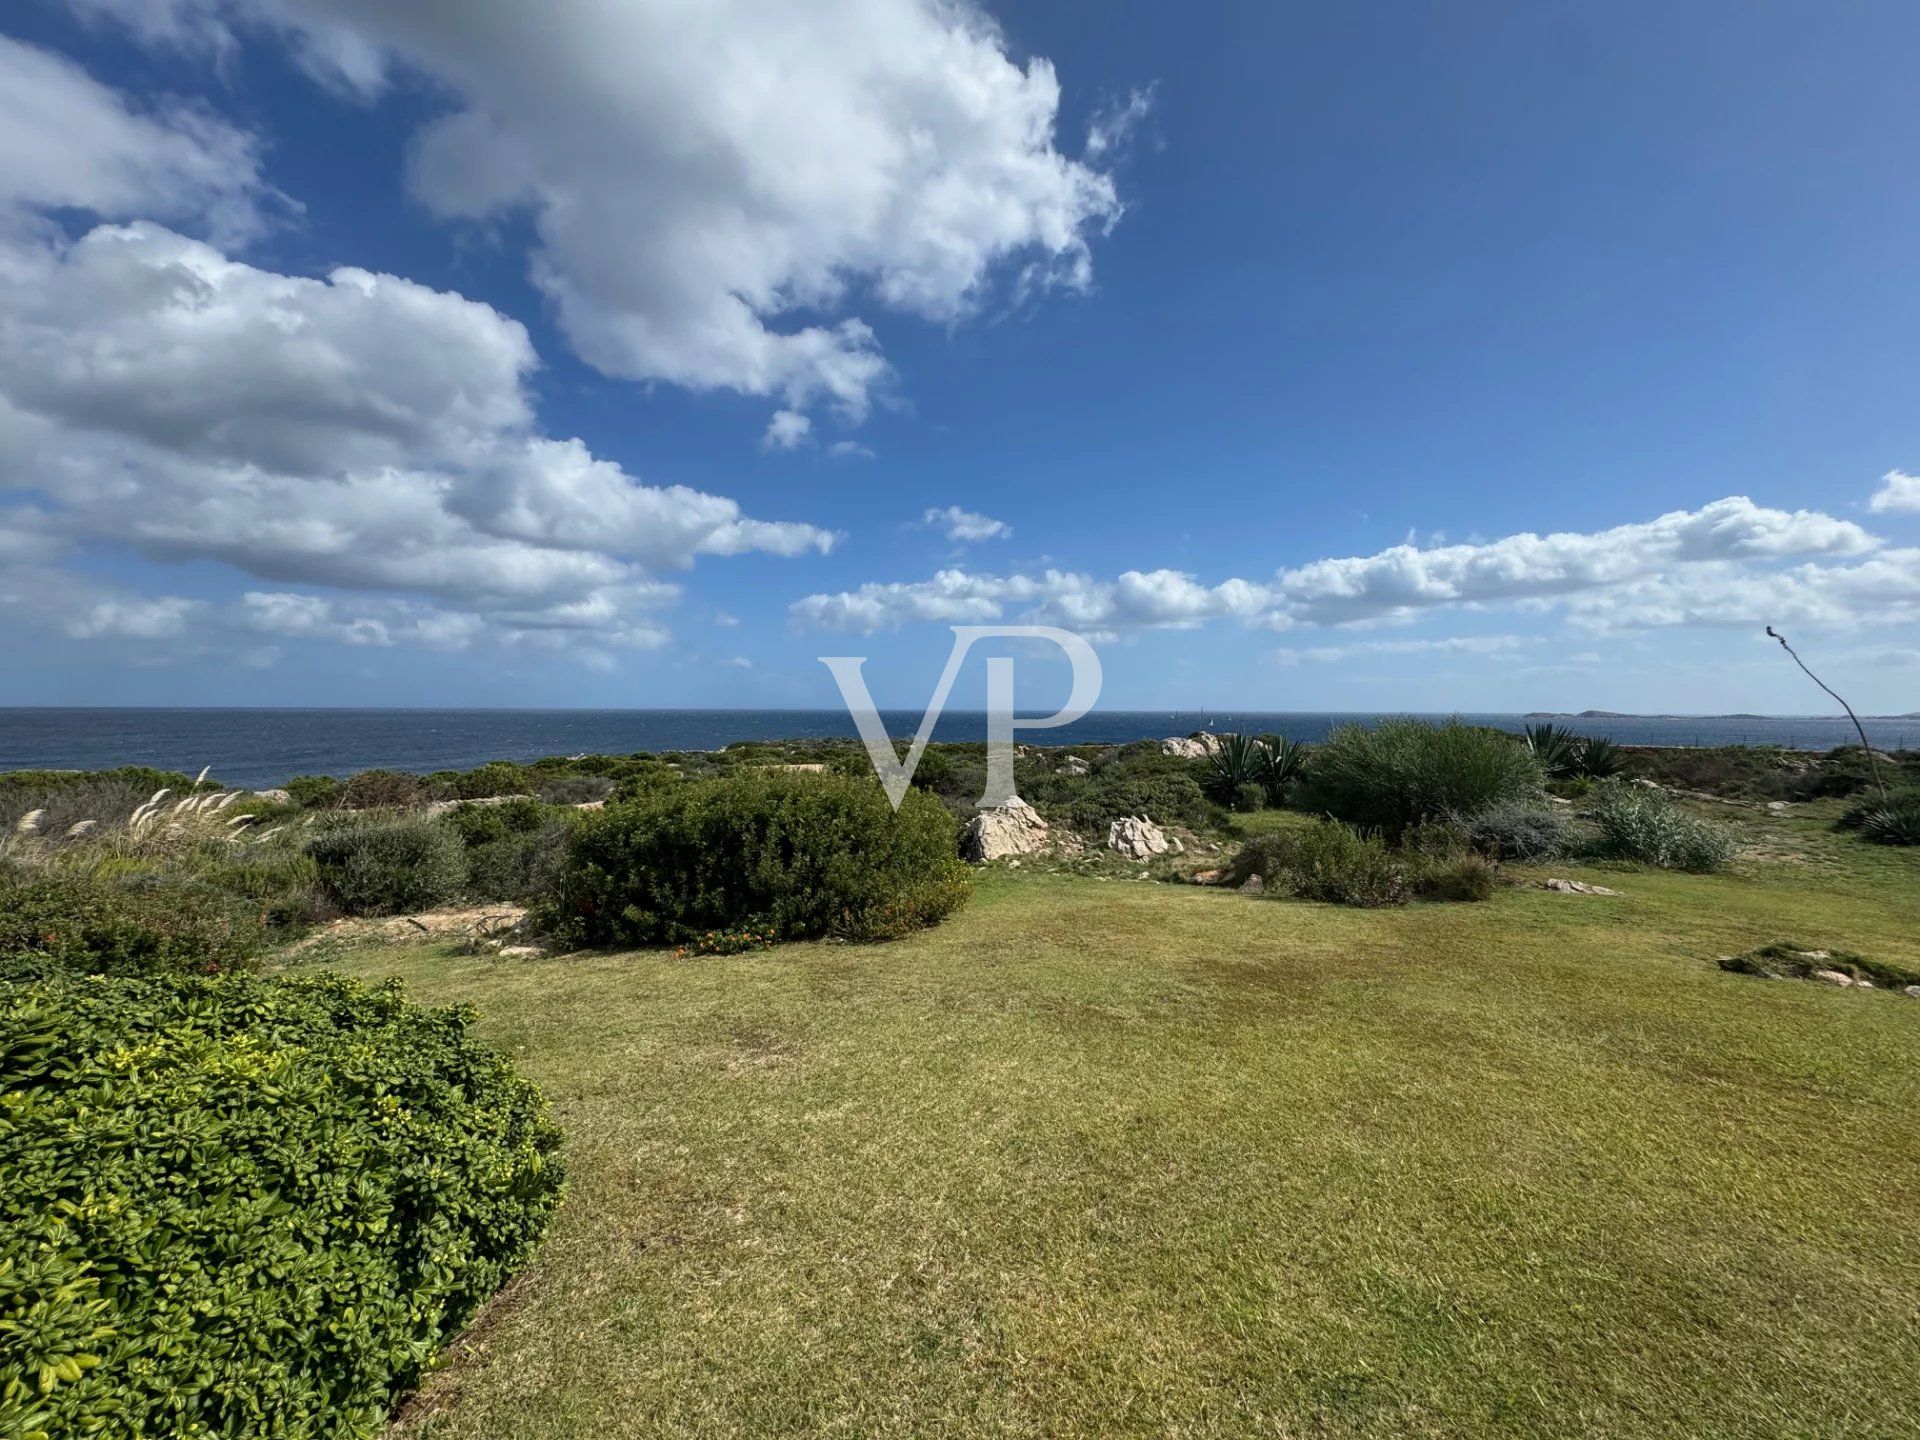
x,y
1576,887
1197,746
1074,765
1137,838
1003,830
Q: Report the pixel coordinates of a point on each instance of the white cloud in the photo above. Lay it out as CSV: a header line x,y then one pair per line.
x,y
1722,563
68,142
709,184
1898,491
787,430
1114,126
849,450
1441,645
964,526
360,432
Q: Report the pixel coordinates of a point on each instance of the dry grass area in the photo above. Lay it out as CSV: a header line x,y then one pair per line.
x,y
1102,1159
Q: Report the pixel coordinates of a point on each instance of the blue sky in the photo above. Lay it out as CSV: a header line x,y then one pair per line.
x,y
1419,357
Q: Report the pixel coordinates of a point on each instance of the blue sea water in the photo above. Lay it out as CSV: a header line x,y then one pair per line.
x,y
265,747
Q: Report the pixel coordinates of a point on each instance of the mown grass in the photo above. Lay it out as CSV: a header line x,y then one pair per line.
x,y
1099,1158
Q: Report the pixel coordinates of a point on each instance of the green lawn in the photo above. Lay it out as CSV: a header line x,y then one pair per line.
x,y
1100,1158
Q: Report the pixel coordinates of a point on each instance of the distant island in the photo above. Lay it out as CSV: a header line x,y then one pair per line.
x,y
1737,715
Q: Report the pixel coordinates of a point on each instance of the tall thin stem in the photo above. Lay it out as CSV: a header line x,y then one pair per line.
x,y
1873,762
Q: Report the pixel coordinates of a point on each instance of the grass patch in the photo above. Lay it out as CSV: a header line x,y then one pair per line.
x,y
1100,1159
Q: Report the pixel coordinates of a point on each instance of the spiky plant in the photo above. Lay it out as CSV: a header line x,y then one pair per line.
x,y
1601,759
1895,823
1557,749
1281,762
1236,765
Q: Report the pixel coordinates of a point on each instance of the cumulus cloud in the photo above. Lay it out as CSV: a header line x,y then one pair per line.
x,y
67,142
709,184
360,432
1726,559
964,526
787,430
1898,491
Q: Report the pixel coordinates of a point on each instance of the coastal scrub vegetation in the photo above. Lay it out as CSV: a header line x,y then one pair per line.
x,y
247,1206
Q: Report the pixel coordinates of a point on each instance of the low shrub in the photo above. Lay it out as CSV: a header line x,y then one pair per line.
x,y
312,791
515,850
380,790
1161,787
1403,771
800,855
1324,860
279,883
1463,876
1643,824
142,925
484,782
1784,958
1514,830
388,867
243,1206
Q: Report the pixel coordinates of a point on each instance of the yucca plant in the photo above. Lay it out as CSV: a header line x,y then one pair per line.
x,y
1601,759
1895,823
1557,750
1281,762
1237,765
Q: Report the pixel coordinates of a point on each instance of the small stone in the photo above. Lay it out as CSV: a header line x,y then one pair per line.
x,y
520,952
1207,877
1862,983
1576,887
1912,991
1253,886
1833,977
1779,807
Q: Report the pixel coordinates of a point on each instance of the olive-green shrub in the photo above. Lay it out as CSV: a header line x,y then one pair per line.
x,y
388,867
800,855
239,1206
1650,826
1403,771
1324,860
143,925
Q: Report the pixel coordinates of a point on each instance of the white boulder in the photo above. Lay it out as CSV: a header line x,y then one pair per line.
x,y
1002,830
1137,838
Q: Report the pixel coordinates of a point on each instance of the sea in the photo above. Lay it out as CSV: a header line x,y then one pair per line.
x,y
260,748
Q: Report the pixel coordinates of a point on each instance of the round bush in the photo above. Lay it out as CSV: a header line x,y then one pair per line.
x,y
1404,771
1515,830
242,1206
800,855
388,867
140,926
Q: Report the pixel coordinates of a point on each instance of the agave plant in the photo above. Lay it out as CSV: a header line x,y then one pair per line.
x,y
1895,823
1281,763
1557,750
1601,759
1232,768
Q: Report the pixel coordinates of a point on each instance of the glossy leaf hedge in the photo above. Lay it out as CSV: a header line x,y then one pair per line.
x,y
247,1206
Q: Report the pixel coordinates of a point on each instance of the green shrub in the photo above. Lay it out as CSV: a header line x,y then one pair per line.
x,y
483,782
515,850
574,789
1643,824
143,925
380,790
801,855
311,791
388,867
1404,771
241,1206
1515,830
278,882
1324,860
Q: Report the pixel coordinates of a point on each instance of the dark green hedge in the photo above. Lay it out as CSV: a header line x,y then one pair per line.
x,y
238,1206
800,855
